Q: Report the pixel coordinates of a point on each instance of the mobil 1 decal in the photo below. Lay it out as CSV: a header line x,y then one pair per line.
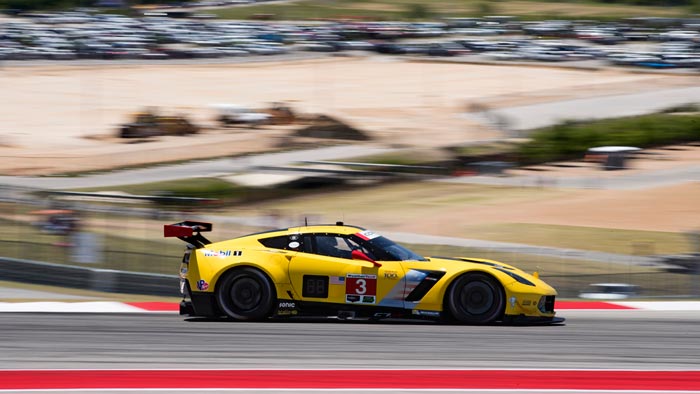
x,y
361,289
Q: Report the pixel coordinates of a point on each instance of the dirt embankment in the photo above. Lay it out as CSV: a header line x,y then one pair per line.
x,y
60,119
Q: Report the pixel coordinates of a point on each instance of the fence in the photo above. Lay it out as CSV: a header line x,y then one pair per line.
x,y
88,278
128,254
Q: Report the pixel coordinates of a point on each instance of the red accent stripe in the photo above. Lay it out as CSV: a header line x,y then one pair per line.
x,y
352,379
156,306
362,236
560,305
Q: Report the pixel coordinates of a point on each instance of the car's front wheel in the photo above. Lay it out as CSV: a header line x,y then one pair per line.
x,y
245,294
475,298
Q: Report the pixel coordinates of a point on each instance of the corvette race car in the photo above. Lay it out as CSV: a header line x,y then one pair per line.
x,y
348,272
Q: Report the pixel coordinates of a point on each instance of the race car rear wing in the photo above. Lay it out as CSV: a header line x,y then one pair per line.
x,y
189,232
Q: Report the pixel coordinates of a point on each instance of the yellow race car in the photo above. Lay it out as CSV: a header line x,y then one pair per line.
x,y
348,272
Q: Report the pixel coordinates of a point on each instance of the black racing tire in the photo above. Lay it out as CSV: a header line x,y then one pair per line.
x,y
245,294
476,298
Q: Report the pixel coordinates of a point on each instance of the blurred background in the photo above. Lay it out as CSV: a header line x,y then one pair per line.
x,y
563,138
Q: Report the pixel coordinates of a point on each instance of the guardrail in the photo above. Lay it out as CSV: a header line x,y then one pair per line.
x,y
111,281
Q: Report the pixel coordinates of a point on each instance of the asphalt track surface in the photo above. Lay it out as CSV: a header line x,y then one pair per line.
x,y
589,340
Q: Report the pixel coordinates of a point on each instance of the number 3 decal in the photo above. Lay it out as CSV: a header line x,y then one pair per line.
x,y
361,286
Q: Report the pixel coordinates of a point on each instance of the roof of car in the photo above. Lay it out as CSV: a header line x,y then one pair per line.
x,y
339,228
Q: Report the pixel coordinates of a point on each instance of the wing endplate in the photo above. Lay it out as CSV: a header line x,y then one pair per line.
x,y
189,231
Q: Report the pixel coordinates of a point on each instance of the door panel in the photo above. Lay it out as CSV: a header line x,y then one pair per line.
x,y
346,281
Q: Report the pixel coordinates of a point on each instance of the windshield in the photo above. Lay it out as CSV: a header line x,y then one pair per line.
x,y
386,250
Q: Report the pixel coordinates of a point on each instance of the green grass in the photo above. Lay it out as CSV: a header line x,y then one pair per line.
x,y
403,157
423,161
487,149
632,242
226,193
192,187
567,140
571,140
304,10
415,10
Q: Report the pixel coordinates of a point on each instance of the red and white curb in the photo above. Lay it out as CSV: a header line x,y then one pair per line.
x,y
521,380
628,305
171,307
90,307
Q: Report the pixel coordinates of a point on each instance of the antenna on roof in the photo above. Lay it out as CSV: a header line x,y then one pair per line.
x,y
306,221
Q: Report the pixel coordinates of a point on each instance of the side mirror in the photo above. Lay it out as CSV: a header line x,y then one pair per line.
x,y
359,255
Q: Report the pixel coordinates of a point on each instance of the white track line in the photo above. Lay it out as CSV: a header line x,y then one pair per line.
x,y
402,390
662,305
69,307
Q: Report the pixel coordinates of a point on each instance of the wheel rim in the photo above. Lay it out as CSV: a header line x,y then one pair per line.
x,y
477,298
245,294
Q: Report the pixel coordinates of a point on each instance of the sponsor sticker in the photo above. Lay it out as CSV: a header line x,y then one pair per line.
x,y
351,298
287,308
425,313
361,276
361,288
367,235
391,275
202,285
222,253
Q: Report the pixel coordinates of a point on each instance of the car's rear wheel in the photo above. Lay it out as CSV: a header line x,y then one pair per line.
x,y
245,294
476,298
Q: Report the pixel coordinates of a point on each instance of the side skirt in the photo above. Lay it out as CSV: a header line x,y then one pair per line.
x,y
291,308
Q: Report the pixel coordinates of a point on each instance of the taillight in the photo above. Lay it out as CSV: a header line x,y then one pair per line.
x,y
185,267
186,257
